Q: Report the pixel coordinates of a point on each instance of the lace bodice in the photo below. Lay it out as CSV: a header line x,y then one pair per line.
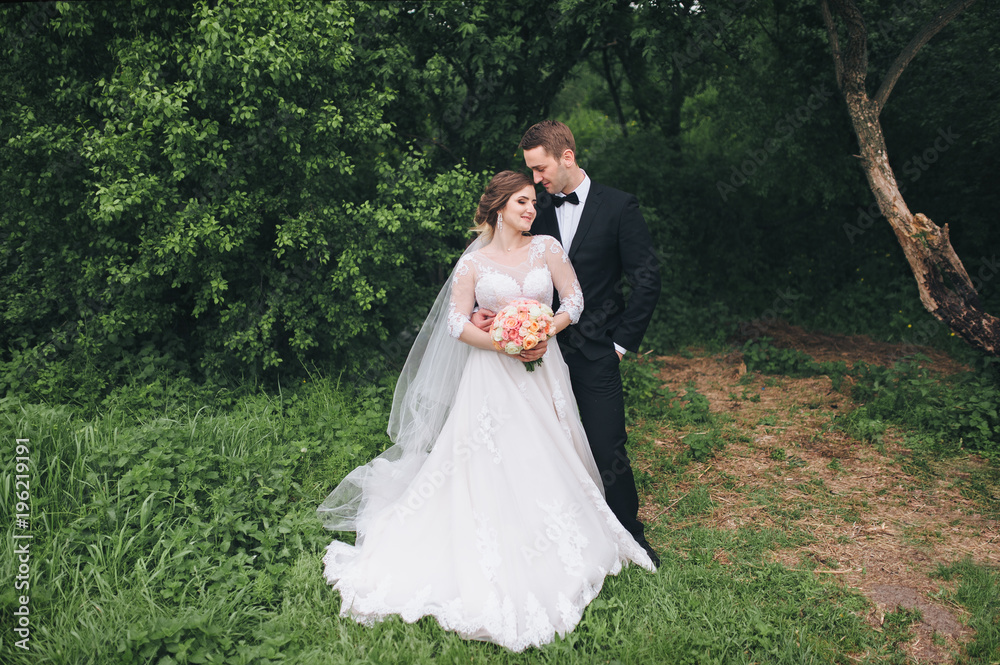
x,y
479,279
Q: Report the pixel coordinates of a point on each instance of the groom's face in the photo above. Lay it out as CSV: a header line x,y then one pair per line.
x,y
552,173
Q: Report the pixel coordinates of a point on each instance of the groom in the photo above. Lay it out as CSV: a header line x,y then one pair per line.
x,y
606,239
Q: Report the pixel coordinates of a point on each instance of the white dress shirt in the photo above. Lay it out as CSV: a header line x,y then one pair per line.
x,y
568,215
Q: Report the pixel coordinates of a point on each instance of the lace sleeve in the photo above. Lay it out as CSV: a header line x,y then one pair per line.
x,y
463,297
565,281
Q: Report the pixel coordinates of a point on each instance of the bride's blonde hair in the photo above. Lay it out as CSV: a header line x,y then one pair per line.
x,y
502,186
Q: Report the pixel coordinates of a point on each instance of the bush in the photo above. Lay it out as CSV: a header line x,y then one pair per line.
x,y
245,201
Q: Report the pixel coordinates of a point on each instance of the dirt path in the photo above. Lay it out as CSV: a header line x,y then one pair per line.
x,y
876,521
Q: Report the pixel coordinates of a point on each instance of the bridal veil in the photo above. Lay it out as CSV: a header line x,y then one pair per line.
x,y
424,395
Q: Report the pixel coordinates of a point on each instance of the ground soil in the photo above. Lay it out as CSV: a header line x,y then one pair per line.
x,y
876,524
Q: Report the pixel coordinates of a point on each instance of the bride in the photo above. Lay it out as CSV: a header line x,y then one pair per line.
x,y
488,513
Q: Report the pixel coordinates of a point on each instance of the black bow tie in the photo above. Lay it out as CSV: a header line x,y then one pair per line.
x,y
571,198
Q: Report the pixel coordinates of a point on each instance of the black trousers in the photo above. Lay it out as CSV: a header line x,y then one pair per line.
x,y
597,385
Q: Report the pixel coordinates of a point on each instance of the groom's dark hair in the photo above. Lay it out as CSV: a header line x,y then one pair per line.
x,y
552,135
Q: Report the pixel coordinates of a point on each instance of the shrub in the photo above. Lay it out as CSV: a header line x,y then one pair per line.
x,y
217,177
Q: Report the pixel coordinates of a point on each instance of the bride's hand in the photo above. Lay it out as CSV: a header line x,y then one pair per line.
x,y
534,354
483,319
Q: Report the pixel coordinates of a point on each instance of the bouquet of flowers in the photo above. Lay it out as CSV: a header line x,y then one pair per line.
x,y
520,326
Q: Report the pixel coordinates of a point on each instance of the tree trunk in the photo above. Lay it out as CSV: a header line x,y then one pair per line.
x,y
613,87
946,290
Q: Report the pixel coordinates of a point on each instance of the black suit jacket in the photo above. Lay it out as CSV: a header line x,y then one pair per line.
x,y
611,243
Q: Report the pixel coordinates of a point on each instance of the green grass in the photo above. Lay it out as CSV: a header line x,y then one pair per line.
x,y
187,534
170,537
978,592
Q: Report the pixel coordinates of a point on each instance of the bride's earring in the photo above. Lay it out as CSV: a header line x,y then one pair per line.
x,y
499,222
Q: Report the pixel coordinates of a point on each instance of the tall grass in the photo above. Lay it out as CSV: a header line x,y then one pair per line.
x,y
187,535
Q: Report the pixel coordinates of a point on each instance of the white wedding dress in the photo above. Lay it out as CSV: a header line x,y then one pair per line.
x,y
502,532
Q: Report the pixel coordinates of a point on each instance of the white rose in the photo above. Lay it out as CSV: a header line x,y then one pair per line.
x,y
534,311
497,334
512,349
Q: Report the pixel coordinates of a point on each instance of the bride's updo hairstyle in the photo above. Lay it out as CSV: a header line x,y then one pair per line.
x,y
503,186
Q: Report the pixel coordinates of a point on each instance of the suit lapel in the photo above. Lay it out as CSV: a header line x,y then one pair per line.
x,y
590,210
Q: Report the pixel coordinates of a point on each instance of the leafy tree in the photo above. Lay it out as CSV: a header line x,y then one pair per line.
x,y
760,123
746,168
473,75
220,175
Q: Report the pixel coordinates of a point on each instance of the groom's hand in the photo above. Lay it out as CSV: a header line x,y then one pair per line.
x,y
483,319
533,354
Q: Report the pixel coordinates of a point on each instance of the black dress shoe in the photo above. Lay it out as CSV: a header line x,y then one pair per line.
x,y
652,554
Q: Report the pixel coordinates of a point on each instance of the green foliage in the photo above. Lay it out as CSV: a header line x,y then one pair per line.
x,y
240,187
645,399
691,408
757,208
897,627
760,356
945,414
703,445
979,593
860,425
181,528
695,502
222,189
472,76
218,178
643,388
188,536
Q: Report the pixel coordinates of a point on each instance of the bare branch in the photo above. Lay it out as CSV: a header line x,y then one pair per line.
x,y
831,29
613,88
945,288
941,19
